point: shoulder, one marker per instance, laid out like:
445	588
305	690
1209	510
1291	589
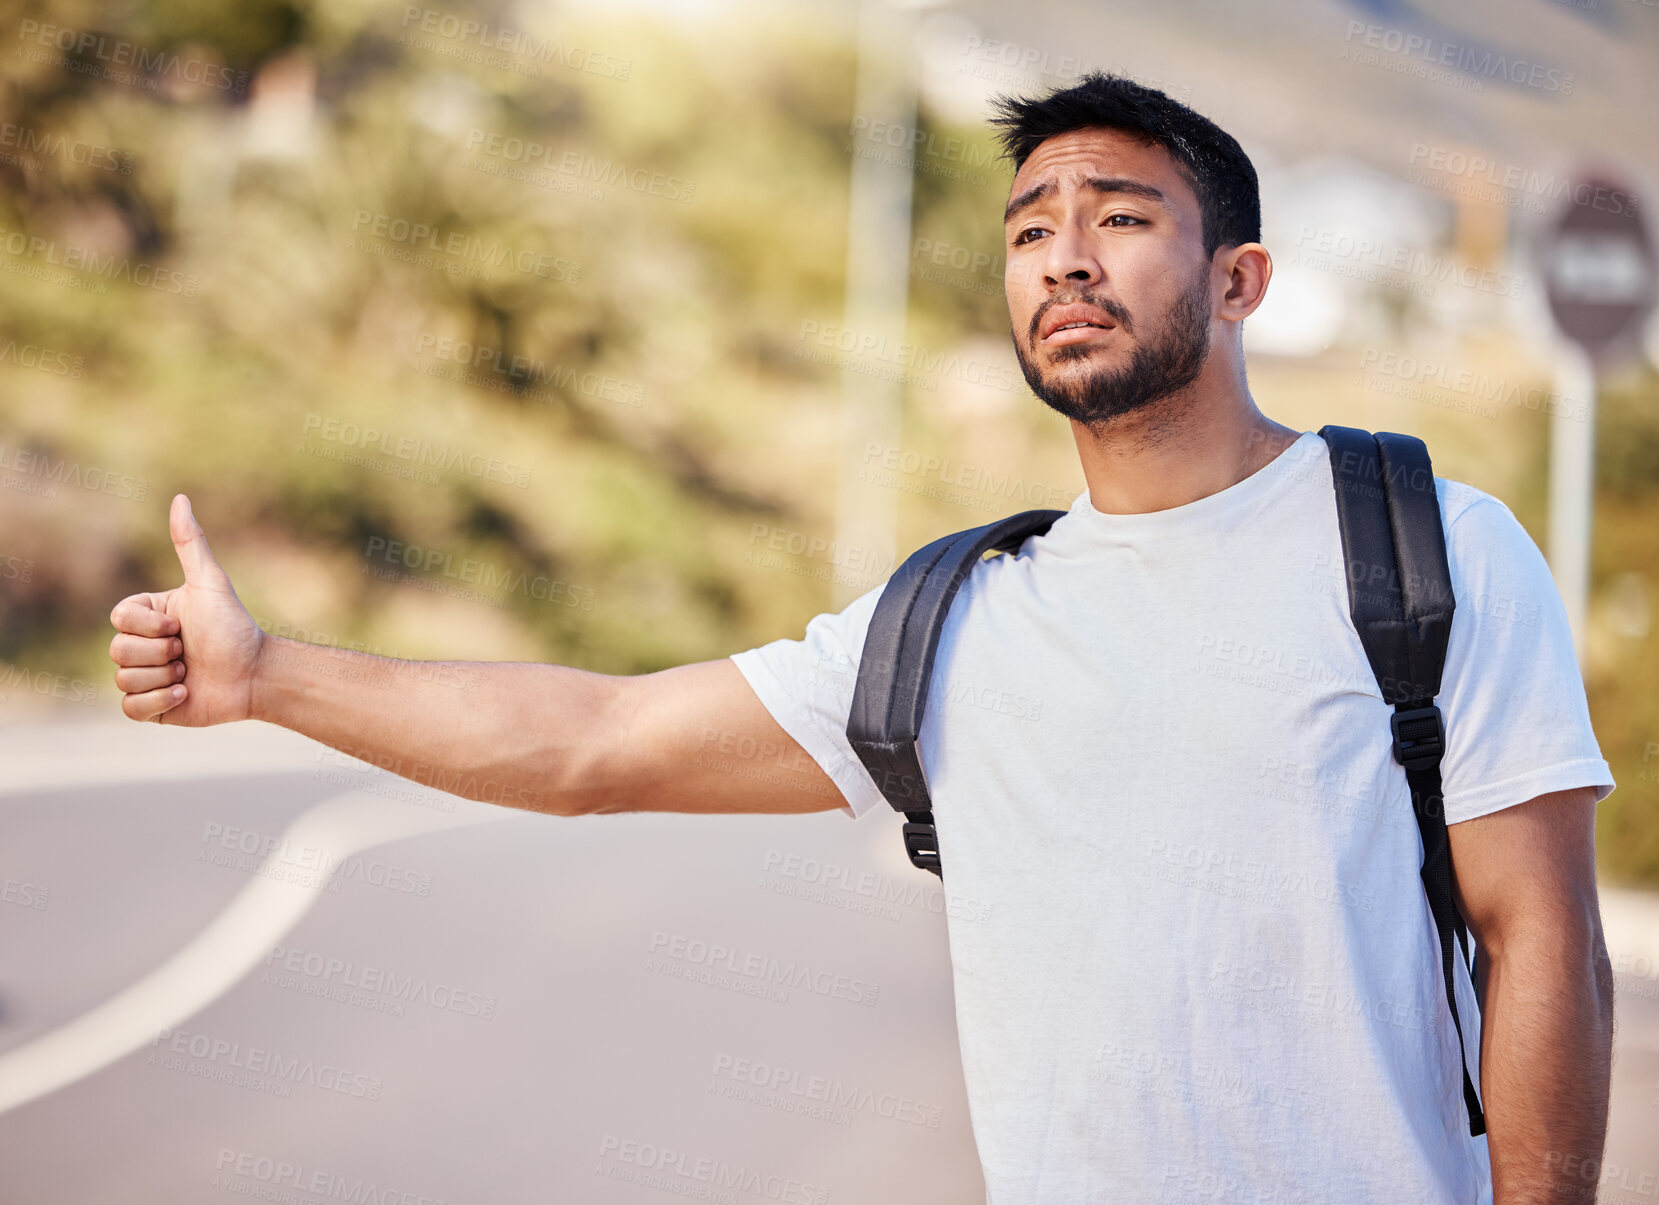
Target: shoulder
1037	555
1458	498
1478	524
1497	568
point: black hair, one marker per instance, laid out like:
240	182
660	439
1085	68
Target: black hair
1211	161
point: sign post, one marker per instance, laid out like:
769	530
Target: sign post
1599	279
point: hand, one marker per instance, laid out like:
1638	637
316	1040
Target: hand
187	655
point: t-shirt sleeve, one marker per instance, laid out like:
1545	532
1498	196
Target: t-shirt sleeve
1517	722
808	684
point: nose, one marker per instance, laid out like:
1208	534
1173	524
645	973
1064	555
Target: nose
1070	259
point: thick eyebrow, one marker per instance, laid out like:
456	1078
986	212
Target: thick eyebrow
1098	184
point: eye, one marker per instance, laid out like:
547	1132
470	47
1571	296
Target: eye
1126	217
1020	237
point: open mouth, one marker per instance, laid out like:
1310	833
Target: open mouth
1076	332
1074	322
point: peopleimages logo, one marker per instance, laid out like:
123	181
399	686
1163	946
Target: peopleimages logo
44	682
761	968
834	879
863	351
1411	370
281	857
415	449
25	895
28	142
713	1174
460	246
519	370
43	359
337	978
118	52
22	246
46	472
574	163
487	576
1513	177
1412	268
1482	63
256	1061
827	1090
470	33
277	1179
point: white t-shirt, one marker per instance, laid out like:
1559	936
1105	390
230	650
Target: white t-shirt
1193	958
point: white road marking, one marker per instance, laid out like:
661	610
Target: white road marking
231	945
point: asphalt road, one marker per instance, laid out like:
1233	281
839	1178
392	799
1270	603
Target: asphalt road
228	969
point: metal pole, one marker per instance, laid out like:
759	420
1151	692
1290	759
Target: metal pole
878	278
1572	482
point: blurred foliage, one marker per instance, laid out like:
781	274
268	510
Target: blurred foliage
227	394
1623	671
271	322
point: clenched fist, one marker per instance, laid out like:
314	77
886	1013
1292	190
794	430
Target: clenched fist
187	655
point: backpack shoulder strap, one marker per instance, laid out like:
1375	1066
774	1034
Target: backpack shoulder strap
1400	599
890	696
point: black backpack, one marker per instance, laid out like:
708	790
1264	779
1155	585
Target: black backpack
1399	595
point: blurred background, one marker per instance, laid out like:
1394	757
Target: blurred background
628	334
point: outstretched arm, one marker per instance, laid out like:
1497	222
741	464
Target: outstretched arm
544	738
1526	883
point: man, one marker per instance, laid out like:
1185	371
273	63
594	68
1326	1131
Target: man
1202	965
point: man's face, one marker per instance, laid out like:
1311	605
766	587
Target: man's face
1103	230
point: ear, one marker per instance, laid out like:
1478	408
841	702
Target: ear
1246	268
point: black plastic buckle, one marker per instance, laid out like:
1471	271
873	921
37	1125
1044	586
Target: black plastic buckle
921	842
1419	736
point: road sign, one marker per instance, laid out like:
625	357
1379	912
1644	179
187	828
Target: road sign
1600	279
1600	274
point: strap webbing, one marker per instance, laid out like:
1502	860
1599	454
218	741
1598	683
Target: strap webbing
1429	807
896	666
1400	598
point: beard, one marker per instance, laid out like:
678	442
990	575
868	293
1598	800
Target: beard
1158	368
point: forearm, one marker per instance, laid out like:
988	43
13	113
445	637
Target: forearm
1546	1065
517	734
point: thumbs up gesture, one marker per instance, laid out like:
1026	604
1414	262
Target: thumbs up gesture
186	655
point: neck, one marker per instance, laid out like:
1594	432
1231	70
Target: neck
1178	449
